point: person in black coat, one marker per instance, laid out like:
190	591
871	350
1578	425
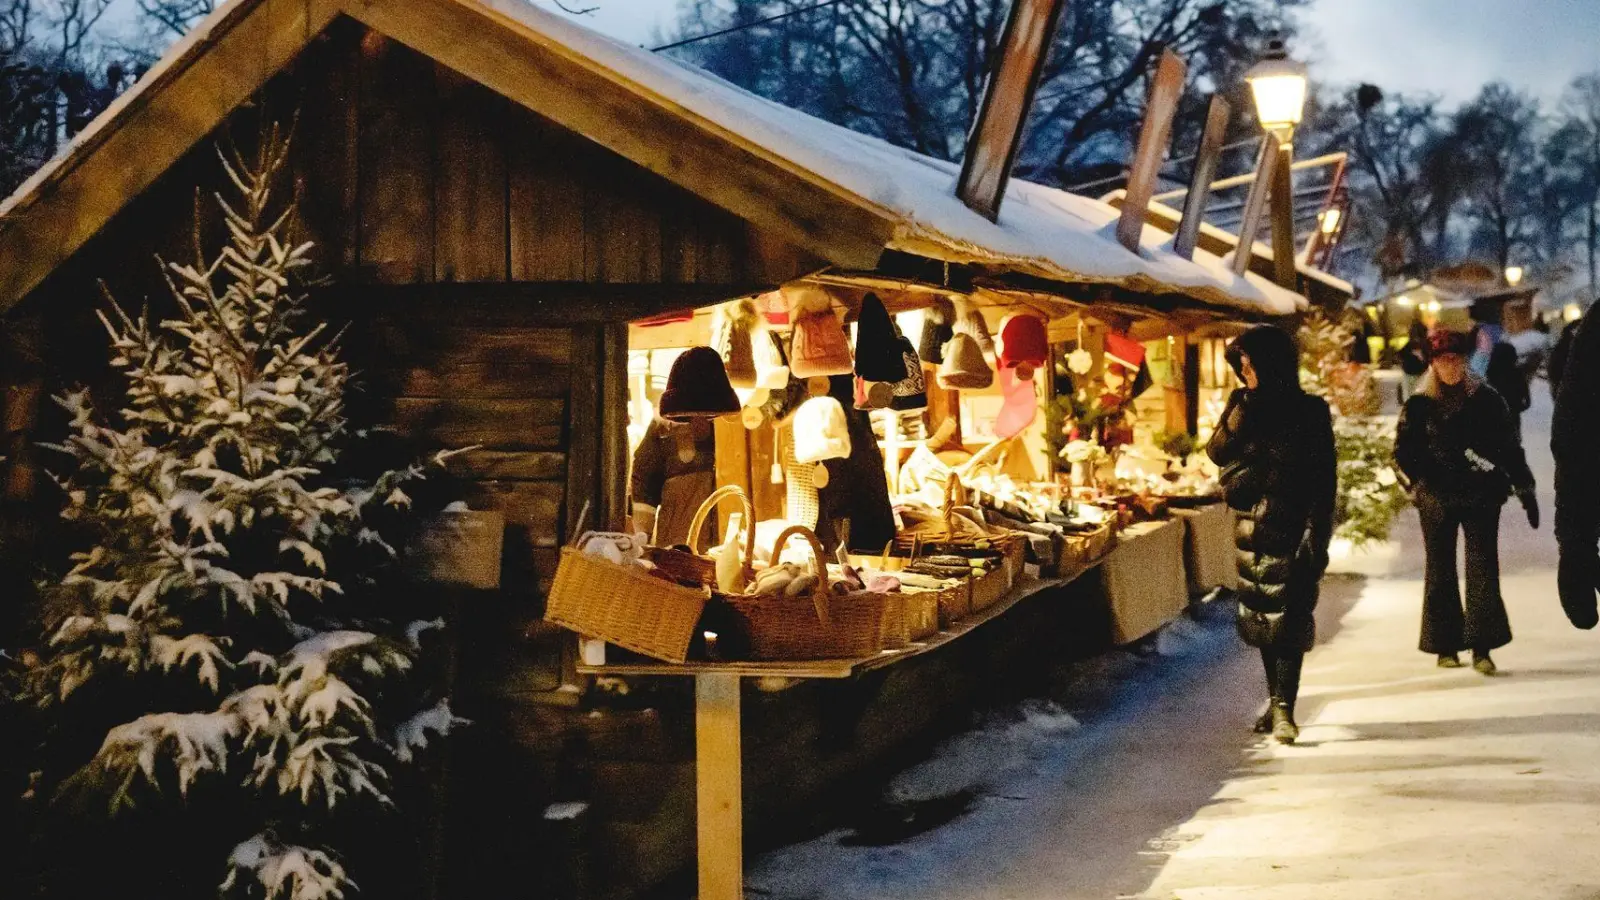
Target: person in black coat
1458	451
1274	445
1574	437
1506	377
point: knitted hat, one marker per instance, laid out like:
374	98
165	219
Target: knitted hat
877	351
1023	342
820	431
1442	341
911	391
1019	405
819	346
964	365
733	325
937	327
697	387
972	322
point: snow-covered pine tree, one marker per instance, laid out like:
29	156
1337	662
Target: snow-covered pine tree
237	656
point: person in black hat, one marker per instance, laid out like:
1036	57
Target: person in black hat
1458	452
1274	445
674	466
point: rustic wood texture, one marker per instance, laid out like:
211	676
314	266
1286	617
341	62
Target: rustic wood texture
470	223
547	206
398	126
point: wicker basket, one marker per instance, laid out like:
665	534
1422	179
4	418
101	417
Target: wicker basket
694	567
821	626
989	588
624	605
896	631
1082	551
921	614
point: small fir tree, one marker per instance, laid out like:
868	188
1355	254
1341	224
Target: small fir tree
236	651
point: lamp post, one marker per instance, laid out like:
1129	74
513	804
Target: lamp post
1278	86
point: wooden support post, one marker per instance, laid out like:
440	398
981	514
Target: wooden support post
719	785
1205	169
1191	385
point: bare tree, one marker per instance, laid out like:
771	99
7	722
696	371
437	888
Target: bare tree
1580	111
175	17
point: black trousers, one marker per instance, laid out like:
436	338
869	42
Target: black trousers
1483	625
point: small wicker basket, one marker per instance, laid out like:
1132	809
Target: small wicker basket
822	625
694	567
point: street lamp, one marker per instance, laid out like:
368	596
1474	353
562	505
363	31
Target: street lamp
1513	275
1330	220
1278	85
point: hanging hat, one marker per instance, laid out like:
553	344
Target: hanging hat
1124	351
1443	341
971	322
733	326
820	431
910	392
873	394
877	351
938	326
773	307
819	345
1023	342
1019	405
698	387
964	365
766	350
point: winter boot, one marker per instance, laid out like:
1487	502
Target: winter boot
1284	730
1449	661
1482	664
1264	724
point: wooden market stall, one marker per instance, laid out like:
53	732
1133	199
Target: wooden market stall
500	196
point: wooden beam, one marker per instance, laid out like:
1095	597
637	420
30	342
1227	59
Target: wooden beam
545	303
1154	135
719	779
1205	169
1003	110
151	128
504	54
1254	205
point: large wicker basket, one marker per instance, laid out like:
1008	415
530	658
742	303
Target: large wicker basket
822	625
694	566
624	605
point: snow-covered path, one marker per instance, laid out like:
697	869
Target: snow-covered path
1409	782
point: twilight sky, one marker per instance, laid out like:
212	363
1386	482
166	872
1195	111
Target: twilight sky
1445	47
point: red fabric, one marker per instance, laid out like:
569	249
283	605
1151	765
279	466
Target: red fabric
1023	340
1443	340
667	318
1124	351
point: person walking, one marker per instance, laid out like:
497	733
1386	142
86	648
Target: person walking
1413	359
1508	380
1574	435
1458	452
1274	446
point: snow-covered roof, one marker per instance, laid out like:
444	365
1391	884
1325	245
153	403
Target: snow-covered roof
1042	231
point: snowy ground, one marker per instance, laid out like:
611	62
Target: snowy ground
1410	782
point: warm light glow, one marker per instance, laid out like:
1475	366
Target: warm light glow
1513	275
1433	306
1572	313
1403	300
1330	220
1278	85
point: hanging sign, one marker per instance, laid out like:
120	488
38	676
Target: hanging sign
1152	150
1007	96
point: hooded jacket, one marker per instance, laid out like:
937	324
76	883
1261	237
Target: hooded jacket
1274	446
1463	457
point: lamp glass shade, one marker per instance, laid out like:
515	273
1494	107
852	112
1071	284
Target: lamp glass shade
1513	275
1279	89
1330	220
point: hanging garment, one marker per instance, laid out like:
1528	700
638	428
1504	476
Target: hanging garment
697	387
964	365
877	345
911	391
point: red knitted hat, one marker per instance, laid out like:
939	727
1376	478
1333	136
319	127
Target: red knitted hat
1442	341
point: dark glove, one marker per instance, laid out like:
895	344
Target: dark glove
1576	581
1530	505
